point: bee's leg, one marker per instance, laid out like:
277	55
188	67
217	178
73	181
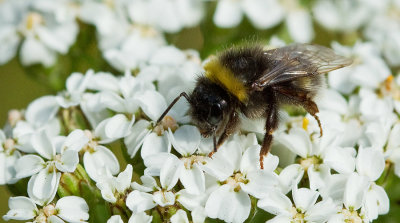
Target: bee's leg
303	100
230	128
312	108
270	126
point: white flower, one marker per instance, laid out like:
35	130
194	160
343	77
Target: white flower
153	104
337	114
371	163
384	30
169	16
239	176
69	209
115	219
382	107
76	85
140	217
263	14
180	217
342	15
266	14
96	157
353	197
43	184
304	207
48	29
318	156
113	188
185	140
368	69
8	158
149	195
134	49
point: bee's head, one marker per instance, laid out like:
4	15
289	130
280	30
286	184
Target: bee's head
208	107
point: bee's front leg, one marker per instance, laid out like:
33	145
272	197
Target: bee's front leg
230	128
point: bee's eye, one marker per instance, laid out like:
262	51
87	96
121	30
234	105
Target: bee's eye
215	114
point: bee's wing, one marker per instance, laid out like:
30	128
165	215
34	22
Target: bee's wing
299	60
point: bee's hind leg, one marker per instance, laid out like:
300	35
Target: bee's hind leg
312	108
270	126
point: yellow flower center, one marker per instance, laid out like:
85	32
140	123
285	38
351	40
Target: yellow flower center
33	20
351	216
307	162
298	215
189	161
235	181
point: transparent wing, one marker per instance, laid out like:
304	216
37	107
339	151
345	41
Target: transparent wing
299	60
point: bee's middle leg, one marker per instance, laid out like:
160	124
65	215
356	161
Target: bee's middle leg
270	126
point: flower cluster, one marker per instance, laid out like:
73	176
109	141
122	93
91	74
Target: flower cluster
66	151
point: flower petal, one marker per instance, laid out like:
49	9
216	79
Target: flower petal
226	204
263	14
259	183
354	193
69	161
115	219
124	178
76	140
170	172
304	198
180	217
275	203
43	187
152	103
318	176
321	212
341	159
72	209
42	144
376	202
193	179
140	217
154	144
29	165
227	14
164	198
136	137
185	139
21	208
299	23
297	141
370	162
139	201
290	176
101	158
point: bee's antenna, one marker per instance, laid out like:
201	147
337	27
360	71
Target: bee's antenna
171	105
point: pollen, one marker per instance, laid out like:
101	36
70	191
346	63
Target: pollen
388	82
221	75
305	123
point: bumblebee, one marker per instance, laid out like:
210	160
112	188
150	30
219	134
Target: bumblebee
256	82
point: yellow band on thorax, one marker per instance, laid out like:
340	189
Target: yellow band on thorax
219	74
